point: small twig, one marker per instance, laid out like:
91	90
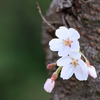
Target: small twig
37	5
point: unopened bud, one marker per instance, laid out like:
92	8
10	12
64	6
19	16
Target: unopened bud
92	72
49	85
49	66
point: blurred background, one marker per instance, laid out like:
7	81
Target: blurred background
22	59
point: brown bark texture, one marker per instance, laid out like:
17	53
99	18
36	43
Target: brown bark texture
84	16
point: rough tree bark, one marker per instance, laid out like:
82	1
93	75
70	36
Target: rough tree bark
84	16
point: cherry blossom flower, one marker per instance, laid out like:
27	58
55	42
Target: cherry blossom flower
91	70
67	40
49	85
72	64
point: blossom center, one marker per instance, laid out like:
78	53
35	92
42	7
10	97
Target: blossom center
67	42
74	62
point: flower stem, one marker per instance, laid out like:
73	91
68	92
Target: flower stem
55	74
58	70
83	55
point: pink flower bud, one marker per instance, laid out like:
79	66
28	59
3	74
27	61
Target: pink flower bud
49	85
49	66
92	72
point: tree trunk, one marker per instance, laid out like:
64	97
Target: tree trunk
84	16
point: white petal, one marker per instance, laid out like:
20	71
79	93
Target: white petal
74	54
64	51
64	61
62	32
92	72
75	45
55	44
67	71
81	72
73	34
54	41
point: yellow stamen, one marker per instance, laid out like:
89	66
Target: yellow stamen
74	62
67	42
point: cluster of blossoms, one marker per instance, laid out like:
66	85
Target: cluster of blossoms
70	63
